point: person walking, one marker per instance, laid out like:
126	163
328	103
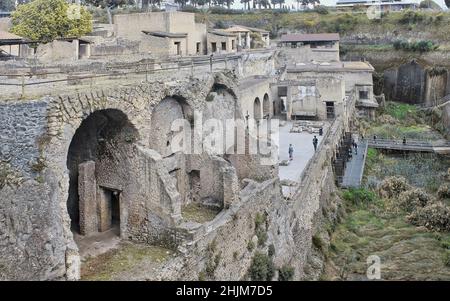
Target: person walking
315	142
404	140
291	152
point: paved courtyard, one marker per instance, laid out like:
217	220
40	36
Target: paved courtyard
303	151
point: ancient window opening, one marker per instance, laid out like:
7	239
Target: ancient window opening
363	94
330	109
213	47
266	106
257	109
178	47
224	46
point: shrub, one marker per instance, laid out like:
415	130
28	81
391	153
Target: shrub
411	17
359	196
322	10
286	273
411	199
419	46
189	9
444	191
260	220
261	233
318	242
220	25
391	187
250	245
434	216
261	267
447	258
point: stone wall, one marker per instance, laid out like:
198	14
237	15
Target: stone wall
23	128
290	225
58	51
145	179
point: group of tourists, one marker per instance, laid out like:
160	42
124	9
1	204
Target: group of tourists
315	143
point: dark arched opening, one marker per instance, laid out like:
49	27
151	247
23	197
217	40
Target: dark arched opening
97	161
257	109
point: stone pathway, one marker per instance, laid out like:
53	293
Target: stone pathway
303	151
355	167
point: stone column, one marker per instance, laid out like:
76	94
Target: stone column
87	191
247	40
230	187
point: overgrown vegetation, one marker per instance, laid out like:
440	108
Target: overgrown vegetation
198	213
261	229
398	120
117	264
261	267
419	46
286	273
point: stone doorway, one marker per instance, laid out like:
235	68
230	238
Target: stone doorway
109	210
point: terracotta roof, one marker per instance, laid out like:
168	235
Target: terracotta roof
4	35
315	37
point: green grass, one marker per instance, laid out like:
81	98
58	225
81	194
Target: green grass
400	110
198	213
406	252
360	196
128	256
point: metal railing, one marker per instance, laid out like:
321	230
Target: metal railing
31	78
408	142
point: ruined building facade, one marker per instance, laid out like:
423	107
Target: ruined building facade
84	162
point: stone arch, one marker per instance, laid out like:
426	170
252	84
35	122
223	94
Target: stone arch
163	115
266	106
98	155
257	110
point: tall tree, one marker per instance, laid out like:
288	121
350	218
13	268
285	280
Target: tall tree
182	2
229	3
246	2
50	21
